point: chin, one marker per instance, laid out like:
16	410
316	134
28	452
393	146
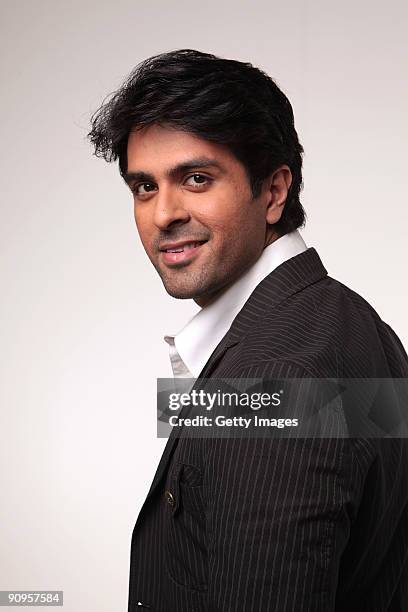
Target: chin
193	286
181	293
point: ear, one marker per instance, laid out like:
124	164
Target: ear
277	186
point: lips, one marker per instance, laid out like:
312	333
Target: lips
177	247
180	252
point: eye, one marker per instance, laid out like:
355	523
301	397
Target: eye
142	189
197	180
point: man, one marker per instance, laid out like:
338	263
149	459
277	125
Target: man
209	150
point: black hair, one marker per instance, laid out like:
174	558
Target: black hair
220	100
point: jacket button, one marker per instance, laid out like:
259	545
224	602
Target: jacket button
169	498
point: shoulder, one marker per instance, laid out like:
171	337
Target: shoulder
326	329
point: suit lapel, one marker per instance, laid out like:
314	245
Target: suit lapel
287	279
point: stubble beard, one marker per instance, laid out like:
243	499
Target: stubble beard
184	285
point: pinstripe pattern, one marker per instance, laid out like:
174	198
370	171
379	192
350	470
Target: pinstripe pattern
297	525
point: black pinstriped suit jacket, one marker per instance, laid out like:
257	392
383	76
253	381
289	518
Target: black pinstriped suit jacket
283	525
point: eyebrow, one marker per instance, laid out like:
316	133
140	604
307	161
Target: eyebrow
190	164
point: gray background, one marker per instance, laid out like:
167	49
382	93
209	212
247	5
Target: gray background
82	311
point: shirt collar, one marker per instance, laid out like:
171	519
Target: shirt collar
201	335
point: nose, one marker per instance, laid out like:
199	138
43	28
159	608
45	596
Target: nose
169	209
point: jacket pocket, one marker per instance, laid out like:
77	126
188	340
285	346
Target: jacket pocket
185	533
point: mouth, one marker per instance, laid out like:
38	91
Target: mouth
181	252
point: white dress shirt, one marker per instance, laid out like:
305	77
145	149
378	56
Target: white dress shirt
191	348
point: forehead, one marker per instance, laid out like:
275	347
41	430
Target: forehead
157	148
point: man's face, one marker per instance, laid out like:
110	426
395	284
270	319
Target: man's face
194	210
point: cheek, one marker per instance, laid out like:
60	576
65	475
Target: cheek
223	211
144	229
235	219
